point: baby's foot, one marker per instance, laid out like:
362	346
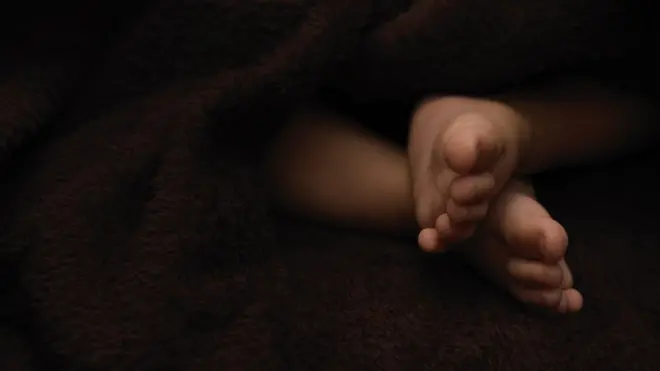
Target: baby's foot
462	151
522	249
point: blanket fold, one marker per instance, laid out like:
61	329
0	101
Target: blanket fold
136	232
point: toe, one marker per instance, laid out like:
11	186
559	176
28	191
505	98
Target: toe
466	214
550	288
534	274
571	301
566	275
549	298
472	189
470	144
453	232
429	240
554	241
558	300
427	206
527	227
538	238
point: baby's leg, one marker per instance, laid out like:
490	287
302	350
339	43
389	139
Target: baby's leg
326	166
574	123
463	150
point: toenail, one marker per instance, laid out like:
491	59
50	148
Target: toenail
546	251
543	246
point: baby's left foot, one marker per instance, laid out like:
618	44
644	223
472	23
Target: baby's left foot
521	247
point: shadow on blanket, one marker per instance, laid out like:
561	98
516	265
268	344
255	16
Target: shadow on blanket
136	234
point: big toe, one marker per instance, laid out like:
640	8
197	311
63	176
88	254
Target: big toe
540	238
528	229
471	144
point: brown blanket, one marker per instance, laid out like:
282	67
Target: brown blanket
136	233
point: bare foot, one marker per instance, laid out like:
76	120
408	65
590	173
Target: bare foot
462	151
522	249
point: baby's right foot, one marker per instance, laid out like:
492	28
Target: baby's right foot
522	249
462	151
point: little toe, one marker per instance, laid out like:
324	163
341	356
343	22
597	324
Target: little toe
571	301
429	240
533	274
472	189
470	144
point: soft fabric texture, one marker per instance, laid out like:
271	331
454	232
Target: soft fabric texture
136	232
